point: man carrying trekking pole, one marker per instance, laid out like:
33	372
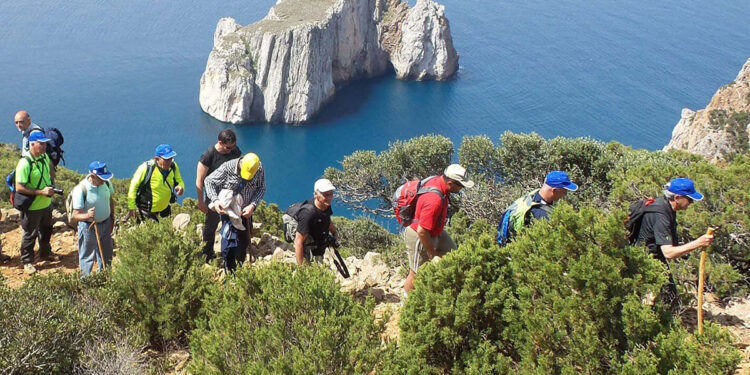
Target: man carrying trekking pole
658	228
93	205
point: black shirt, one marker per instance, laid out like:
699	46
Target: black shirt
659	229
213	159
315	223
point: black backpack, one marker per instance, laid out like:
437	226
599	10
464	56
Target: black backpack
54	146
290	220
635	218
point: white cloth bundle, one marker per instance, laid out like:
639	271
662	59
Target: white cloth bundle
232	205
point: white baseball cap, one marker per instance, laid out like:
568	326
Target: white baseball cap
324	185
458	173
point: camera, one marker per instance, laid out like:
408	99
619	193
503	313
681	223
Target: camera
58	190
332	241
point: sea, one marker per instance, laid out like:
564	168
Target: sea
120	77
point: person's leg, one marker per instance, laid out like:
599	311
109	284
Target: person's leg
209	234
29	224
86	253
243	241
445	244
45	233
416	255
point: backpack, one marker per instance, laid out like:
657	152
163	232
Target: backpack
635	217
404	199
142	200
290	220
69	201
54	146
514	217
19	201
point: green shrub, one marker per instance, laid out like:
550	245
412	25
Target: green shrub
362	235
160	280
269	215
46	323
278	319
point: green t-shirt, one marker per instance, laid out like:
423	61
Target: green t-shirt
35	175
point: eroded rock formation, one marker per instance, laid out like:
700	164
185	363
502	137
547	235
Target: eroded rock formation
720	129
285	67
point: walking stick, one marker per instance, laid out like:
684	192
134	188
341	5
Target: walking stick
98	242
701	277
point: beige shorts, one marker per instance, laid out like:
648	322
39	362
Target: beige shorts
416	252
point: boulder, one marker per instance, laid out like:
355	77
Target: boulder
180	221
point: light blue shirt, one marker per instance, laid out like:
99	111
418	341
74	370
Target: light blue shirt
96	196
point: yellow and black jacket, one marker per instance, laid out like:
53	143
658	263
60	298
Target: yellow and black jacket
149	190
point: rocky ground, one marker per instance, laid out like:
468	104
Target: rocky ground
368	276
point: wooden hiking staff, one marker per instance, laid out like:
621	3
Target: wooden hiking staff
99	243
701	277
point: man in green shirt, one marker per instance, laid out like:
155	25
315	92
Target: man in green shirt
34	178
153	185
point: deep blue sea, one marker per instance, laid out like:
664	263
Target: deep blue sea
120	77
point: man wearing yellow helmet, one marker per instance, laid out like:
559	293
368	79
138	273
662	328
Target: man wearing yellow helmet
245	178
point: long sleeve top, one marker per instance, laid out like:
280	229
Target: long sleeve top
158	190
227	177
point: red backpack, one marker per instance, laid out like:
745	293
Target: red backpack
404	199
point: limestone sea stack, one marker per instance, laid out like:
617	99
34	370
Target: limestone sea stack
723	127
285	67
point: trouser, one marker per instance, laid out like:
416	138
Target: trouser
88	248
36	224
143	215
308	250
209	234
234	248
416	252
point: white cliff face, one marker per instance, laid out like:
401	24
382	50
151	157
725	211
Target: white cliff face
720	129
426	50
285	67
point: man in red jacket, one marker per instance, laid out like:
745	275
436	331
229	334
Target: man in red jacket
425	238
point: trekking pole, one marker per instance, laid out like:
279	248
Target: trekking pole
701	277
98	242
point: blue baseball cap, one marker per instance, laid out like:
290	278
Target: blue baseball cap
99	168
560	179
38	136
165	151
684	187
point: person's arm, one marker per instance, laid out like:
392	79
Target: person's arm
299	247
259	185
200	175
180	186
78	206
332	230
212	183
134	183
426	240
671	252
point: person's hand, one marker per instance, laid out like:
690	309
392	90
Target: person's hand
219	209
48	191
248	211
179	190
91	213
202	206
705	240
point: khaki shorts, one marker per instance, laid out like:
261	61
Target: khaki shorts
416	252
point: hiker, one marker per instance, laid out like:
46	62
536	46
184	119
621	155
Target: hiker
93	203
151	193
245	178
25	126
33	183
424	237
314	226
658	229
534	205
224	150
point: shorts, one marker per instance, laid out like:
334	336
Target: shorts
417	254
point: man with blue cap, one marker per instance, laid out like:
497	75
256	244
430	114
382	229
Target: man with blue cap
658	229
155	185
92	202
534	205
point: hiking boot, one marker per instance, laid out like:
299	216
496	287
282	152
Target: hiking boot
4	258
29	269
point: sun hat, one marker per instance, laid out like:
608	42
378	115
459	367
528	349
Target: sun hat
684	187
249	165
560	179
324	185
99	169
458	173
165	151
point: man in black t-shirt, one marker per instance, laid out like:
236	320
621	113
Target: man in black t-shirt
659	229
224	150
314	224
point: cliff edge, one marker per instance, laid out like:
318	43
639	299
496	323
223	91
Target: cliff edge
285	67
721	129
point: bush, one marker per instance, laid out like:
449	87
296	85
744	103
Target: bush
278	319
159	280
269	215
46	324
362	235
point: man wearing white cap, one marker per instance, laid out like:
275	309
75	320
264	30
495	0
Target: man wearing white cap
424	237
93	202
314	224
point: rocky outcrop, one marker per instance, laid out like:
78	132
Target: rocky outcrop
285	67
720	129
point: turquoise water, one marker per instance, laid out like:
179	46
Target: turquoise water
120	77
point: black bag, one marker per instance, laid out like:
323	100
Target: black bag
54	146
635	218
20	201
290	220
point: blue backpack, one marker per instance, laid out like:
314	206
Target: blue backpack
54	146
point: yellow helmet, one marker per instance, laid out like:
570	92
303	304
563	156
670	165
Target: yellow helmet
249	165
